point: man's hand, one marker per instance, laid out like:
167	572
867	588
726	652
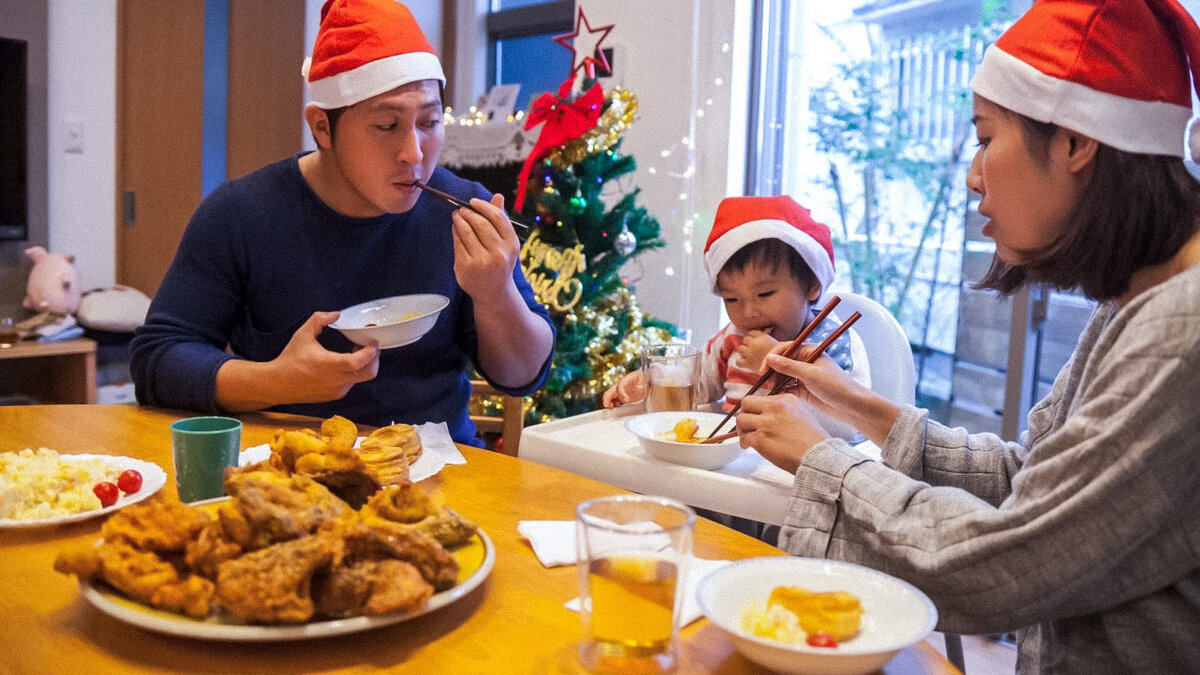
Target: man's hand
485	249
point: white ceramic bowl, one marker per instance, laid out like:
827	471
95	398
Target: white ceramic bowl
649	427
895	614
392	322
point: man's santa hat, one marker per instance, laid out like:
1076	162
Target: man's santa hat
1120	71
743	220
364	48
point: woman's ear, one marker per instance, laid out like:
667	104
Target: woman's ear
318	124
1079	150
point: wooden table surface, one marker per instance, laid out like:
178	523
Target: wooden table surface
515	622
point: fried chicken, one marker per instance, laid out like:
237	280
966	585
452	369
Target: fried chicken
211	547
409	505
278	507
371	587
382	539
159	524
142	575
274	584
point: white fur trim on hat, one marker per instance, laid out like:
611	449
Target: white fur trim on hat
373	78
1132	125
721	250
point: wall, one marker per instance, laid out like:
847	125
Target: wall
27	21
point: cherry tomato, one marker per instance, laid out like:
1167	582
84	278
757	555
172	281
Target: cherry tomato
107	493
821	640
129	481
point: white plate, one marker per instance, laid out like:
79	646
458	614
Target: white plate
116	605
153	478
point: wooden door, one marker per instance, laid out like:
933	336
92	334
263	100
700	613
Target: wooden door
160	97
160	67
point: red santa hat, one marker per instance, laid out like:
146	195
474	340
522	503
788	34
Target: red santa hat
743	220
1120	71
364	48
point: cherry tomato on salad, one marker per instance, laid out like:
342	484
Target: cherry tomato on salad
107	493
821	640
129	481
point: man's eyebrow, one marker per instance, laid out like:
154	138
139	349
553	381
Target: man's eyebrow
403	107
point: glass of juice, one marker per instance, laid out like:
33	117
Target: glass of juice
633	553
671	371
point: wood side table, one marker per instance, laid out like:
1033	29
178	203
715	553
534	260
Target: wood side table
50	372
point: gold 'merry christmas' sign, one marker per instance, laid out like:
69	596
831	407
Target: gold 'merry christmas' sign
551	272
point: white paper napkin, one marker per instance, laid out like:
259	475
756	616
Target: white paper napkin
697	569
437	450
553	541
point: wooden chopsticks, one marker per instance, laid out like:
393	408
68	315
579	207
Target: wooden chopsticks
785	382
790	353
446	196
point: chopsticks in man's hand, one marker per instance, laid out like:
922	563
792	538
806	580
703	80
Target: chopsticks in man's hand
788	382
790	353
460	203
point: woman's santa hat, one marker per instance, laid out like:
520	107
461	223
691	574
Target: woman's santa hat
744	220
364	48
1120	71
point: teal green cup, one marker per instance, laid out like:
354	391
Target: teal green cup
202	448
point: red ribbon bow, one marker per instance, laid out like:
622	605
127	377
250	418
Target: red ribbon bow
564	120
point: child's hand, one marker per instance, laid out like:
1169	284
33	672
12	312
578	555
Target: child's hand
755	346
631	388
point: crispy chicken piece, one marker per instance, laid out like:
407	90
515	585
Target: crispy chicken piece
409	505
160	524
278	507
371	587
450	529
274	584
141	575
382	539
211	547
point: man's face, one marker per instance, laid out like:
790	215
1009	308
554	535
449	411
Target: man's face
383	144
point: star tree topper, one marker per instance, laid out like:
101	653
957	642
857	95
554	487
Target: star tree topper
585	45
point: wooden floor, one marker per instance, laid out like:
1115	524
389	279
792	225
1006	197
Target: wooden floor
981	655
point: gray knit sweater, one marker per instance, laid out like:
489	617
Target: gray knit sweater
1085	536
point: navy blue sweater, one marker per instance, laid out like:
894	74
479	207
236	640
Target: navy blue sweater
263	252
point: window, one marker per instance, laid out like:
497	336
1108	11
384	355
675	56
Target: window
520	47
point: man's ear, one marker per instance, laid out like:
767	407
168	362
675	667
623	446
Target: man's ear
318	124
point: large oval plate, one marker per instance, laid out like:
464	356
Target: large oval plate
475	560
153	478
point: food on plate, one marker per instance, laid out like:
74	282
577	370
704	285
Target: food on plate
130	481
106	492
39	484
284	548
796	615
389	451
387	322
685	430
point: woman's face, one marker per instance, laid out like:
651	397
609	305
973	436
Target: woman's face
383	144
759	298
1025	200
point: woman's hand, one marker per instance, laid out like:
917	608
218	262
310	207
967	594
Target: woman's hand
631	388
781	428
485	249
755	346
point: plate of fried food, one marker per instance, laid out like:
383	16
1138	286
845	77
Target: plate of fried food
42	487
284	557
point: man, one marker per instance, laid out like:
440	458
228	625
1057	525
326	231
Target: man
240	320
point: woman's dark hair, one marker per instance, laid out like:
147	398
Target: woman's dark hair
1138	210
773	254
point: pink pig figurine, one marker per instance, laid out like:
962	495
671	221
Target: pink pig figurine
53	284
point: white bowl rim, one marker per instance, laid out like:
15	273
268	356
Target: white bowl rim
634	419
931	613
370	303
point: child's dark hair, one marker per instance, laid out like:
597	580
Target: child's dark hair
773	254
1138	210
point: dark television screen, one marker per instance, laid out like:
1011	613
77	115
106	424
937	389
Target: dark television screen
14	183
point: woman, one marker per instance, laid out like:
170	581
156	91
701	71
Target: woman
1084	535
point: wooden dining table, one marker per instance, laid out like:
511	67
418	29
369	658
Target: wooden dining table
514	622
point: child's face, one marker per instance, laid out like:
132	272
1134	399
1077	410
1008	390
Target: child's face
760	298
1026	202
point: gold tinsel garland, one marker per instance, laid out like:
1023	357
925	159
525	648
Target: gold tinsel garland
613	123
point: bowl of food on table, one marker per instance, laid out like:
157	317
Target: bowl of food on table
678	437
391	322
806	615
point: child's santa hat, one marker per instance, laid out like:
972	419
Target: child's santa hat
364	48
743	220
1120	71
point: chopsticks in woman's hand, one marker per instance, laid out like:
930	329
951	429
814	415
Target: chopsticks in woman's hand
788	382
790	353
460	203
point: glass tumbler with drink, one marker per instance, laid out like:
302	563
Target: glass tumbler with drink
632	550
670	371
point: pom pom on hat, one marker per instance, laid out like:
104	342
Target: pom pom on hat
743	220
364	48
1120	72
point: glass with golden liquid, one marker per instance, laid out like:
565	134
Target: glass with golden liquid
633	551
671	372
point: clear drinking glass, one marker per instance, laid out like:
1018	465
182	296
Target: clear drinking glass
671	371
633	551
